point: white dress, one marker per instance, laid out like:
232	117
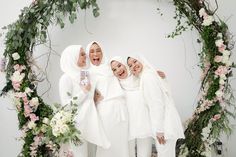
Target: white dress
88	121
112	109
113	112
164	116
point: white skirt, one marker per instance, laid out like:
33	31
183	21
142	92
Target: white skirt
114	118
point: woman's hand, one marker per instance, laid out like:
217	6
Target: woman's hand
97	97
161	138
86	88
161	74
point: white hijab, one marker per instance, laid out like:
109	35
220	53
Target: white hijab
147	67
112	87
103	69
68	62
130	82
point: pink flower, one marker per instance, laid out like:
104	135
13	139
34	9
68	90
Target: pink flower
218	59
27	110
216	117
221	48
16	85
222	70
33	117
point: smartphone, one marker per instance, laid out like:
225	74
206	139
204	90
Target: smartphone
84	77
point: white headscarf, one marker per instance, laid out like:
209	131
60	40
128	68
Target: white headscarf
103	69
148	67
112	87
69	59
129	83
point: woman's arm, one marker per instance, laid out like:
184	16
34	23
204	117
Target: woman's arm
153	97
65	87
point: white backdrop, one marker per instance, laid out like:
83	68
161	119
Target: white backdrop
124	26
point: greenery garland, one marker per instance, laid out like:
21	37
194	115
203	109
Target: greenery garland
42	135
37	119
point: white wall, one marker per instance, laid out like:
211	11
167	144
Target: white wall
124	26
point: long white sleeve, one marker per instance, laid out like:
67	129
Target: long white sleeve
153	97
65	87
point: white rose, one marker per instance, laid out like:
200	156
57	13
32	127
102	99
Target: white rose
228	63
208	21
226	52
225	59
222	81
34	102
64	129
15	56
202	12
219	93
31	125
45	120
55	132
17	76
219	42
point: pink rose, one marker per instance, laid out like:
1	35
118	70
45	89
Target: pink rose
27	110
221	48
33	117
218	59
222	70
216	117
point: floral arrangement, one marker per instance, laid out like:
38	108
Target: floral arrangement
43	129
215	106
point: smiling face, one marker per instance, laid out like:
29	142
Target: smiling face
135	66
119	70
95	54
82	58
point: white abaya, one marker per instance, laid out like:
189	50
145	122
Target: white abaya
88	121
112	110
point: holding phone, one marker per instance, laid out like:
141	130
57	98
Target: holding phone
84	77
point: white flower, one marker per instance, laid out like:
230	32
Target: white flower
15	56
228	63
222	81
225	59
34	102
226	52
28	90
64	129
31	125
219	93
219	35
45	120
17	76
202	12
208	20
219	42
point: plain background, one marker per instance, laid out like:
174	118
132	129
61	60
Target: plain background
124	26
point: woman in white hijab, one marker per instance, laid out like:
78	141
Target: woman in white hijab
165	120
75	81
140	133
112	108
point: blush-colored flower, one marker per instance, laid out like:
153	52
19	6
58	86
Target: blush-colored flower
218	59
222	70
